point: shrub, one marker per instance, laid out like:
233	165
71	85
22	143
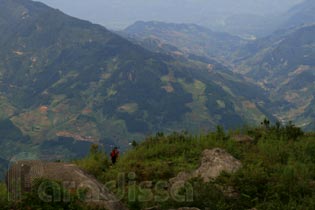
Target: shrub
96	163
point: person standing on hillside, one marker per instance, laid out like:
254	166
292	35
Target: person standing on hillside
114	155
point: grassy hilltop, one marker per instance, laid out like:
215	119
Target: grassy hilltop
277	169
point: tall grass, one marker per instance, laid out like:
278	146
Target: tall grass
277	173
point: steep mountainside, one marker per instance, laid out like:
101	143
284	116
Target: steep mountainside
65	78
189	38
284	64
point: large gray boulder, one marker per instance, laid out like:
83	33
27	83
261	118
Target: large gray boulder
21	176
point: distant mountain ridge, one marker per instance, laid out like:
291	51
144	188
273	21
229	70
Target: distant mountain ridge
282	63
300	14
189	38
259	26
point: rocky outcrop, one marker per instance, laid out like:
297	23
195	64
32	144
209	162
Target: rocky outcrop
213	163
181	177
21	176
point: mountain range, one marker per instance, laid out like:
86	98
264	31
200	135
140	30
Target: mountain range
117	14
65	82
281	63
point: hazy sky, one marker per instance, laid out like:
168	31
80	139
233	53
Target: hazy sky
116	14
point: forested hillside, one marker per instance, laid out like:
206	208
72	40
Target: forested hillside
71	81
284	65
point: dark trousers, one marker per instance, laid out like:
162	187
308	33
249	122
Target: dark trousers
114	159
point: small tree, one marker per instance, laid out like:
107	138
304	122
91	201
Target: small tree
266	123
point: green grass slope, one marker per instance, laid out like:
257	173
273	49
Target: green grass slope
277	171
